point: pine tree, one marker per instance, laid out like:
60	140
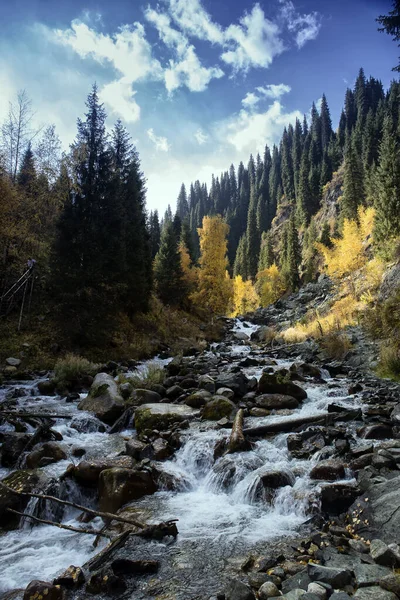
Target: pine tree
292	255
387	203
155	233
267	256
187	240
252	235
304	203
168	274
240	266
182	206
326	124
353	184
287	165
390	24
325	238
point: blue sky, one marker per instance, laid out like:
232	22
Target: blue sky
199	83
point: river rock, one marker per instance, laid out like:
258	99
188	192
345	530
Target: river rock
206	382
22	481
336	498
47	387
161	449
198	399
336	577
273	480
162	416
104	399
174	392
276	401
379	507
13	362
237	590
143	396
391	583
13	445
227	392
118	486
373	593
48	453
134	448
42	589
217	408
395	414
268	590
382	554
237	382
270	384
328	470
72	578
377	432
87	472
317	589
367	575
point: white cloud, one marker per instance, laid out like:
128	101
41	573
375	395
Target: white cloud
128	50
255	42
274	91
250	100
118	96
191	16
160	143
168	35
249	131
201	137
304	26
190	72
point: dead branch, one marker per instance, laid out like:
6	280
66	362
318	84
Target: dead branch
59	525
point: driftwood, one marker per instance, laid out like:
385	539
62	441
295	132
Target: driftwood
294	425
59	525
25	415
237	441
96	513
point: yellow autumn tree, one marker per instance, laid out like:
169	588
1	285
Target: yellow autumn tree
348	252
270	285
214	288
190	274
245	297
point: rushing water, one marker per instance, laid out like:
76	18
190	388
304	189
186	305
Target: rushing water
217	500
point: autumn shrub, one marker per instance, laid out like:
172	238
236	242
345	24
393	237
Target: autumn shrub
245	297
72	368
389	361
335	345
270	285
152	374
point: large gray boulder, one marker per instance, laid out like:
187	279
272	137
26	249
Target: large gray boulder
23	481
378	506
118	486
272	384
276	401
162	416
104	399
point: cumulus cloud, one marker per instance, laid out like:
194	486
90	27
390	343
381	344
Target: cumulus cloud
201	137
253	43
274	91
250	100
160	143
191	16
119	97
190	72
305	27
249	131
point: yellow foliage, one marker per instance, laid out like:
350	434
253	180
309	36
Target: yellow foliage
245	297
348	253
214	288
190	274
270	285
343	312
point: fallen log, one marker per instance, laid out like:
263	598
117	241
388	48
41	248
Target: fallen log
22	415
294	425
59	525
237	441
96	513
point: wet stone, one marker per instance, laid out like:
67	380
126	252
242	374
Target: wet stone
44	589
237	590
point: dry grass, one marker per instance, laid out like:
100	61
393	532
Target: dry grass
389	361
145	380
72	368
336	345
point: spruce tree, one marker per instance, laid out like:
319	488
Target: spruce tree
155	233
182	206
304	202
292	255
168	273
326	124
252	235
387	203
267	256
353	184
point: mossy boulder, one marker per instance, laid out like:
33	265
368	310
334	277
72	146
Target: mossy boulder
87	472
104	399
120	486
143	396
272	383
47	453
162	416
198	399
218	408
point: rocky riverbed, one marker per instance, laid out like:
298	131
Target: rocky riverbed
250	472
